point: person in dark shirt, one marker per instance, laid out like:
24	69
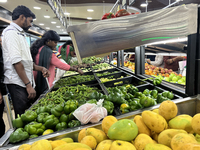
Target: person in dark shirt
2	92
171	62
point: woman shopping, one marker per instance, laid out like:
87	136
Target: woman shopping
42	53
67	51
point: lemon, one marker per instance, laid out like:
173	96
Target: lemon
47	131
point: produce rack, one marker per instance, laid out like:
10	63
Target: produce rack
189	105
131	79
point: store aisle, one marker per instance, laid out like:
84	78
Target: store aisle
5	118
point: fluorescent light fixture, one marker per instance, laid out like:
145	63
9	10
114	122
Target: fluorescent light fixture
89	18
144	5
169	41
64	32
53	22
66	13
36	7
57	26
46	16
41	24
3	1
47	28
90	10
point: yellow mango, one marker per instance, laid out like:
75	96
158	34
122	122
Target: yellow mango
89	141
72	146
107	122
154	121
104	145
24	147
154	135
151	146
196	123
122	145
99	135
57	143
190	146
168	109
156	111
180	139
81	134
142	128
181	122
41	145
68	140
141	141
166	136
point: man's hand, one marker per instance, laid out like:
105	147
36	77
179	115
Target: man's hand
31	91
1	98
45	72
80	72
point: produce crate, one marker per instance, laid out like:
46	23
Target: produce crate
127	80
189	105
108	70
141	88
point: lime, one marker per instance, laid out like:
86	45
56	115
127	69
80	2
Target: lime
47	131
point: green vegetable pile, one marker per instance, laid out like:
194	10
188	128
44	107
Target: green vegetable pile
68	73
105	73
102	66
73	80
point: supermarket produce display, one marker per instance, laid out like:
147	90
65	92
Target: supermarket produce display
146	129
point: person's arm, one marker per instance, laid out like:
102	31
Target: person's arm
171	60
72	54
22	74
64	66
158	61
45	72
168	60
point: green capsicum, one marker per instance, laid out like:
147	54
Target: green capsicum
165	93
146	92
42	116
109	106
96	95
134	105
71	116
70	106
49	107
92	101
157	81
64	118
161	98
41	109
74	123
124	108
170	95
117	98
154	93
57	110
131	89
50	121
35	128
33	136
61	126
19	135
146	102
18	123
29	116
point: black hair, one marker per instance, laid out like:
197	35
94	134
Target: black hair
67	43
49	35
22	10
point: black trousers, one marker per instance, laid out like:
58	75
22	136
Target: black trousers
19	98
2	124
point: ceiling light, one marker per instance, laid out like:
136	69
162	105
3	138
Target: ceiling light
47	28
57	26
36	7
90	10
66	13
89	18
143	5
64	32
41	24
3	1
53	22
46	16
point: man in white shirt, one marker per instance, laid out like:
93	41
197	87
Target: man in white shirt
18	63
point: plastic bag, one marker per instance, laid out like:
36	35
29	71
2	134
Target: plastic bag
60	72
90	112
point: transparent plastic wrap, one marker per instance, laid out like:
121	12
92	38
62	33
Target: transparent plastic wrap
90	112
115	34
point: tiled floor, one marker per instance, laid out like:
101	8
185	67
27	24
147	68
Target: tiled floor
5	118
